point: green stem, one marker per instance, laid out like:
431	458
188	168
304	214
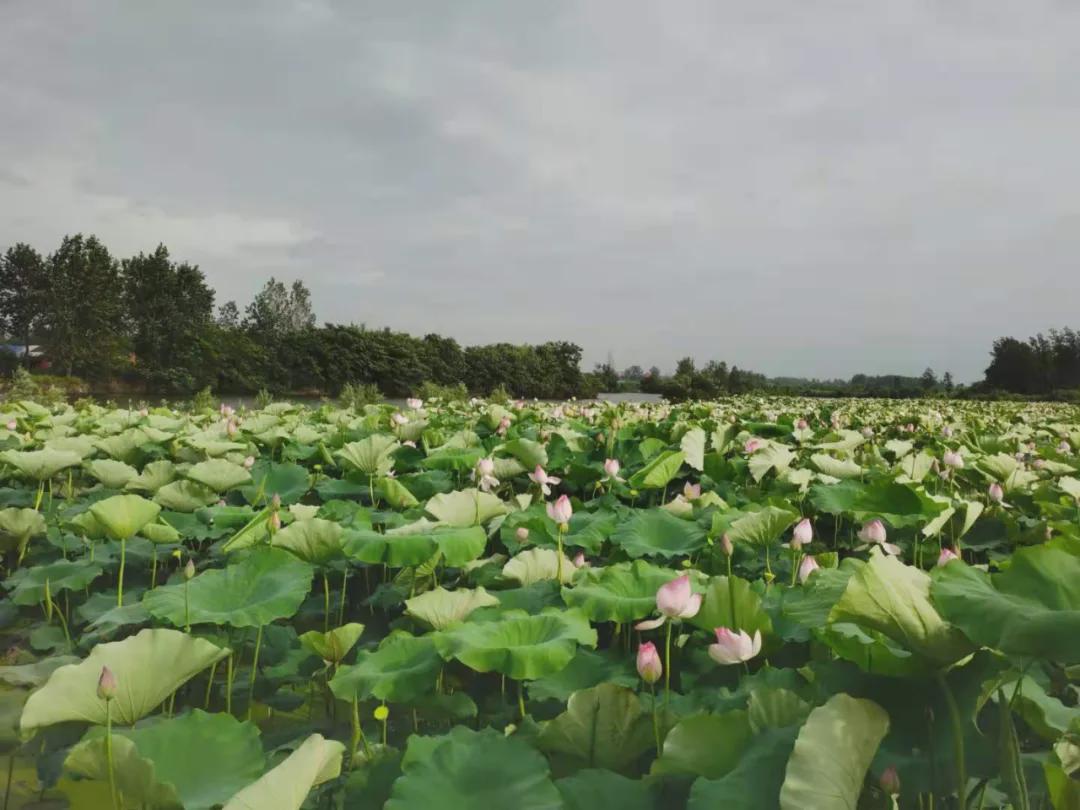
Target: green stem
521	699
958	740
153	569
187	608
357	732
109	756
341	609
228	683
655	722
254	671
209	686
667	662
326	601
120	581
558	562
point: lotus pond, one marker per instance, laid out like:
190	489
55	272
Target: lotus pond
750	603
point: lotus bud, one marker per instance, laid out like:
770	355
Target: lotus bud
485	466
522	534
808	566
868	432
996	493
398	419
953	459
221	502
611	468
504	425
1038	464
734	648
676	600
649	666
947	555
189	569
1064	447
106	685
873	532
579	560
691	491
12	425
910	427
946	432
561	511
275	521
231	428
801	425
414	404
275	502
889	781
249	462
726	545
803	533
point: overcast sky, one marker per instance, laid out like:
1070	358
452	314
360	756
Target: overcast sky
798	187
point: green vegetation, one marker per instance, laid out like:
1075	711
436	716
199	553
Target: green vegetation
759	602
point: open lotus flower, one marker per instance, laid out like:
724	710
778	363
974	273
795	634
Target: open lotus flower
752	446
538	476
873	534
561	510
953	459
691	491
808	566
734	648
674	600
611	469
803	534
414	404
398	419
996	493
106	685
649	666
484	474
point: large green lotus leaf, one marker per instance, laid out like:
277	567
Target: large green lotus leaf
451	459
592	788
846	441
371	455
658	472
894	599
692	445
218	474
154	476
755	782
1008	471
622	592
397	494
316	541
763	527
731	602
872	651
111	473
34	674
440	608
160	533
528	452
832	754
396	551
185	496
773	457
1070	486
123	446
29	584
807	608
290	482
40	465
400	671
602	727
519	645
656	532
469	507
467	769
774	707
538	564
267	584
708	745
333	645
287	786
460	546
136	782
17	525
837	468
1032	609
123	516
83	445
197	760
914	468
255	530
898	504
148	666
586	669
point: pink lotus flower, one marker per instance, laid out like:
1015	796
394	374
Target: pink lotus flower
808	566
484	474
12	425
946	432
873	533
868	432
674	600
996	493
579	561
752	446
947	555
504	425
561	510
249	462
143	412
106	685
414	404
231	428
691	491
910	428
226	410
545	481
803	534
953	459
649	666
611	469
801	425
889	781
1064	448
522	534
398	419
734	648
1038	464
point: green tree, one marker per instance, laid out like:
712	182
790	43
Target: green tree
83	307
167	307
22	287
280	310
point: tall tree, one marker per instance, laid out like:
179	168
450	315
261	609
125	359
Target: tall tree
167	308
83	306
280	310
228	316
22	287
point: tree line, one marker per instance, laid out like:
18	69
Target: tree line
1043	365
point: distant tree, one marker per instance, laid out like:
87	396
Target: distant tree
280	310
947	382
1014	367
228	316
928	380
22	287
83	307
634	372
606	376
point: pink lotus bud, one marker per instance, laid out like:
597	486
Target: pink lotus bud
996	493
801	425
485	466
910	428
946	556
953	459
12	424
106	685
504	425
398	419
189	569
414	403
752	446
226	410
522	534
889	781
808	566
1064	447
649	666
676	600
1038	464
873	532
231	428
611	468
734	648
803	533
561	511
868	432
691	491
249	462
221	502
726	545
579	560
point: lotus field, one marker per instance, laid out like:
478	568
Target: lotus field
751	603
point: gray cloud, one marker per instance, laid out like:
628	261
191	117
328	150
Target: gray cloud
800	188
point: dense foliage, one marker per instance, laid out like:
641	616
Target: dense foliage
747	603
